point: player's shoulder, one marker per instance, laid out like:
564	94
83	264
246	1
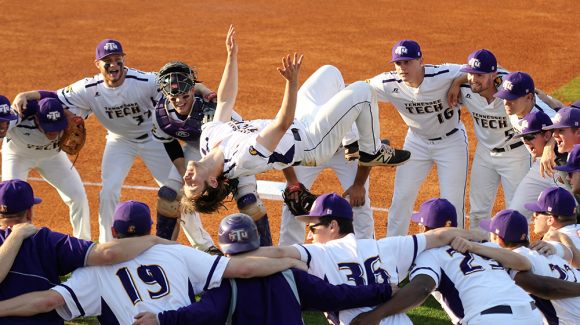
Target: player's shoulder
140	76
434	70
390	77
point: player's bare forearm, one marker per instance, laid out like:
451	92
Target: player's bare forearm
21	100
290	175
228	89
11	246
179	163
410	296
506	257
444	236
273	252
257	266
357	191
454	90
547	287
547	162
573	256
122	250
31	304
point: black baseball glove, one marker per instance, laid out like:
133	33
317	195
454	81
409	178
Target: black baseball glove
298	199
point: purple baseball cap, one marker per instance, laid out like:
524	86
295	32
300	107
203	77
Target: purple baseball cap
565	118
481	61
406	50
108	47
576	104
132	217
508	224
329	205
16	196
436	213
6	113
573	163
534	122
554	200
516	85
50	115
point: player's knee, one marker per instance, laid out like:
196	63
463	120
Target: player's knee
168	202
249	202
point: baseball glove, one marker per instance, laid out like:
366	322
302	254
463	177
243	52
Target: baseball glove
298	199
74	136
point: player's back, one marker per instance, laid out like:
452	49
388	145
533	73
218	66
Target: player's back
567	311
467	284
163	277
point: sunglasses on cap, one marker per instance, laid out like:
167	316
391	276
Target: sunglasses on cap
313	229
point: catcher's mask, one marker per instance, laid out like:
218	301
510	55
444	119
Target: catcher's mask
238	233
176	78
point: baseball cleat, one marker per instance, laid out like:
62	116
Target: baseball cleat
214	251
351	150
386	156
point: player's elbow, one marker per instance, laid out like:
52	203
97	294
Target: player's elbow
47	302
246	270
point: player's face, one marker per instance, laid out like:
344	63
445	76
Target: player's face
574	179
480	82
3	128
111	66
410	71
566	138
182	103
535	142
318	233
518	107
50	135
541	226
196	179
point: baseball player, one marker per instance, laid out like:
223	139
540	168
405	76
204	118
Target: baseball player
336	255
123	101
436	133
6	116
555	209
517	92
161	278
286	293
32	143
509	229
232	150
461	282
179	115
572	168
40	260
499	158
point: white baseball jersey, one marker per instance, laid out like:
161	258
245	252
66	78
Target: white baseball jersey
126	111
25	139
572	232
558	311
163	277
467	284
491	123
363	261
424	109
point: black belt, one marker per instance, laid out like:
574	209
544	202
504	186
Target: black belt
446	135
144	136
502	309
512	146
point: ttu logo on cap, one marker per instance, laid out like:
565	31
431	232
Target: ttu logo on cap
401	50
3	208
558	117
110	47
508	85
525	124
4	109
131	229
238	235
474	63
53	116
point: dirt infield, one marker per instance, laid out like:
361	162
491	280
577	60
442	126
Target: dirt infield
50	44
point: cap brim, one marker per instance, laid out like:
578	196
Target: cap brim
54	127
416	217
505	95
485	225
37	200
475	71
403	59
568	169
527	132
10	117
533	207
305	218
104	56
557	126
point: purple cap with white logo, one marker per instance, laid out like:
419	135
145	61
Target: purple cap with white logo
16	196
565	118
516	85
534	122
50	115
108	47
328	205
6	113
576	104
436	213
481	61
573	163
508	224
554	200
406	50
132	217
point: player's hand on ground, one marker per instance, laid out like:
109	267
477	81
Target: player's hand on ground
356	195
19	104
146	318
462	245
366	318
548	162
291	67
231	45
544	248
24	230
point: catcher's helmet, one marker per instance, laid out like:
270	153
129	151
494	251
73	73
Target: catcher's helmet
176	78
238	233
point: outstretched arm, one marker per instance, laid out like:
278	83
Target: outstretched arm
122	250
254	266
273	133
547	287
273	252
443	236
228	89
31	303
454	90
555	235
506	257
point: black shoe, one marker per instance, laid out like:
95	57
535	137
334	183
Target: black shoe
386	156
214	251
351	151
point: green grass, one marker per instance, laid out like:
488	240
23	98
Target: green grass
570	92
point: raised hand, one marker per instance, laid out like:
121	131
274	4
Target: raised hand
231	45
291	68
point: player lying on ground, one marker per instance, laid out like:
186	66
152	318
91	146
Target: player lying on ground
163	277
276	299
232	150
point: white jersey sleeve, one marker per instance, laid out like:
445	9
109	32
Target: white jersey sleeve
401	251
572	232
